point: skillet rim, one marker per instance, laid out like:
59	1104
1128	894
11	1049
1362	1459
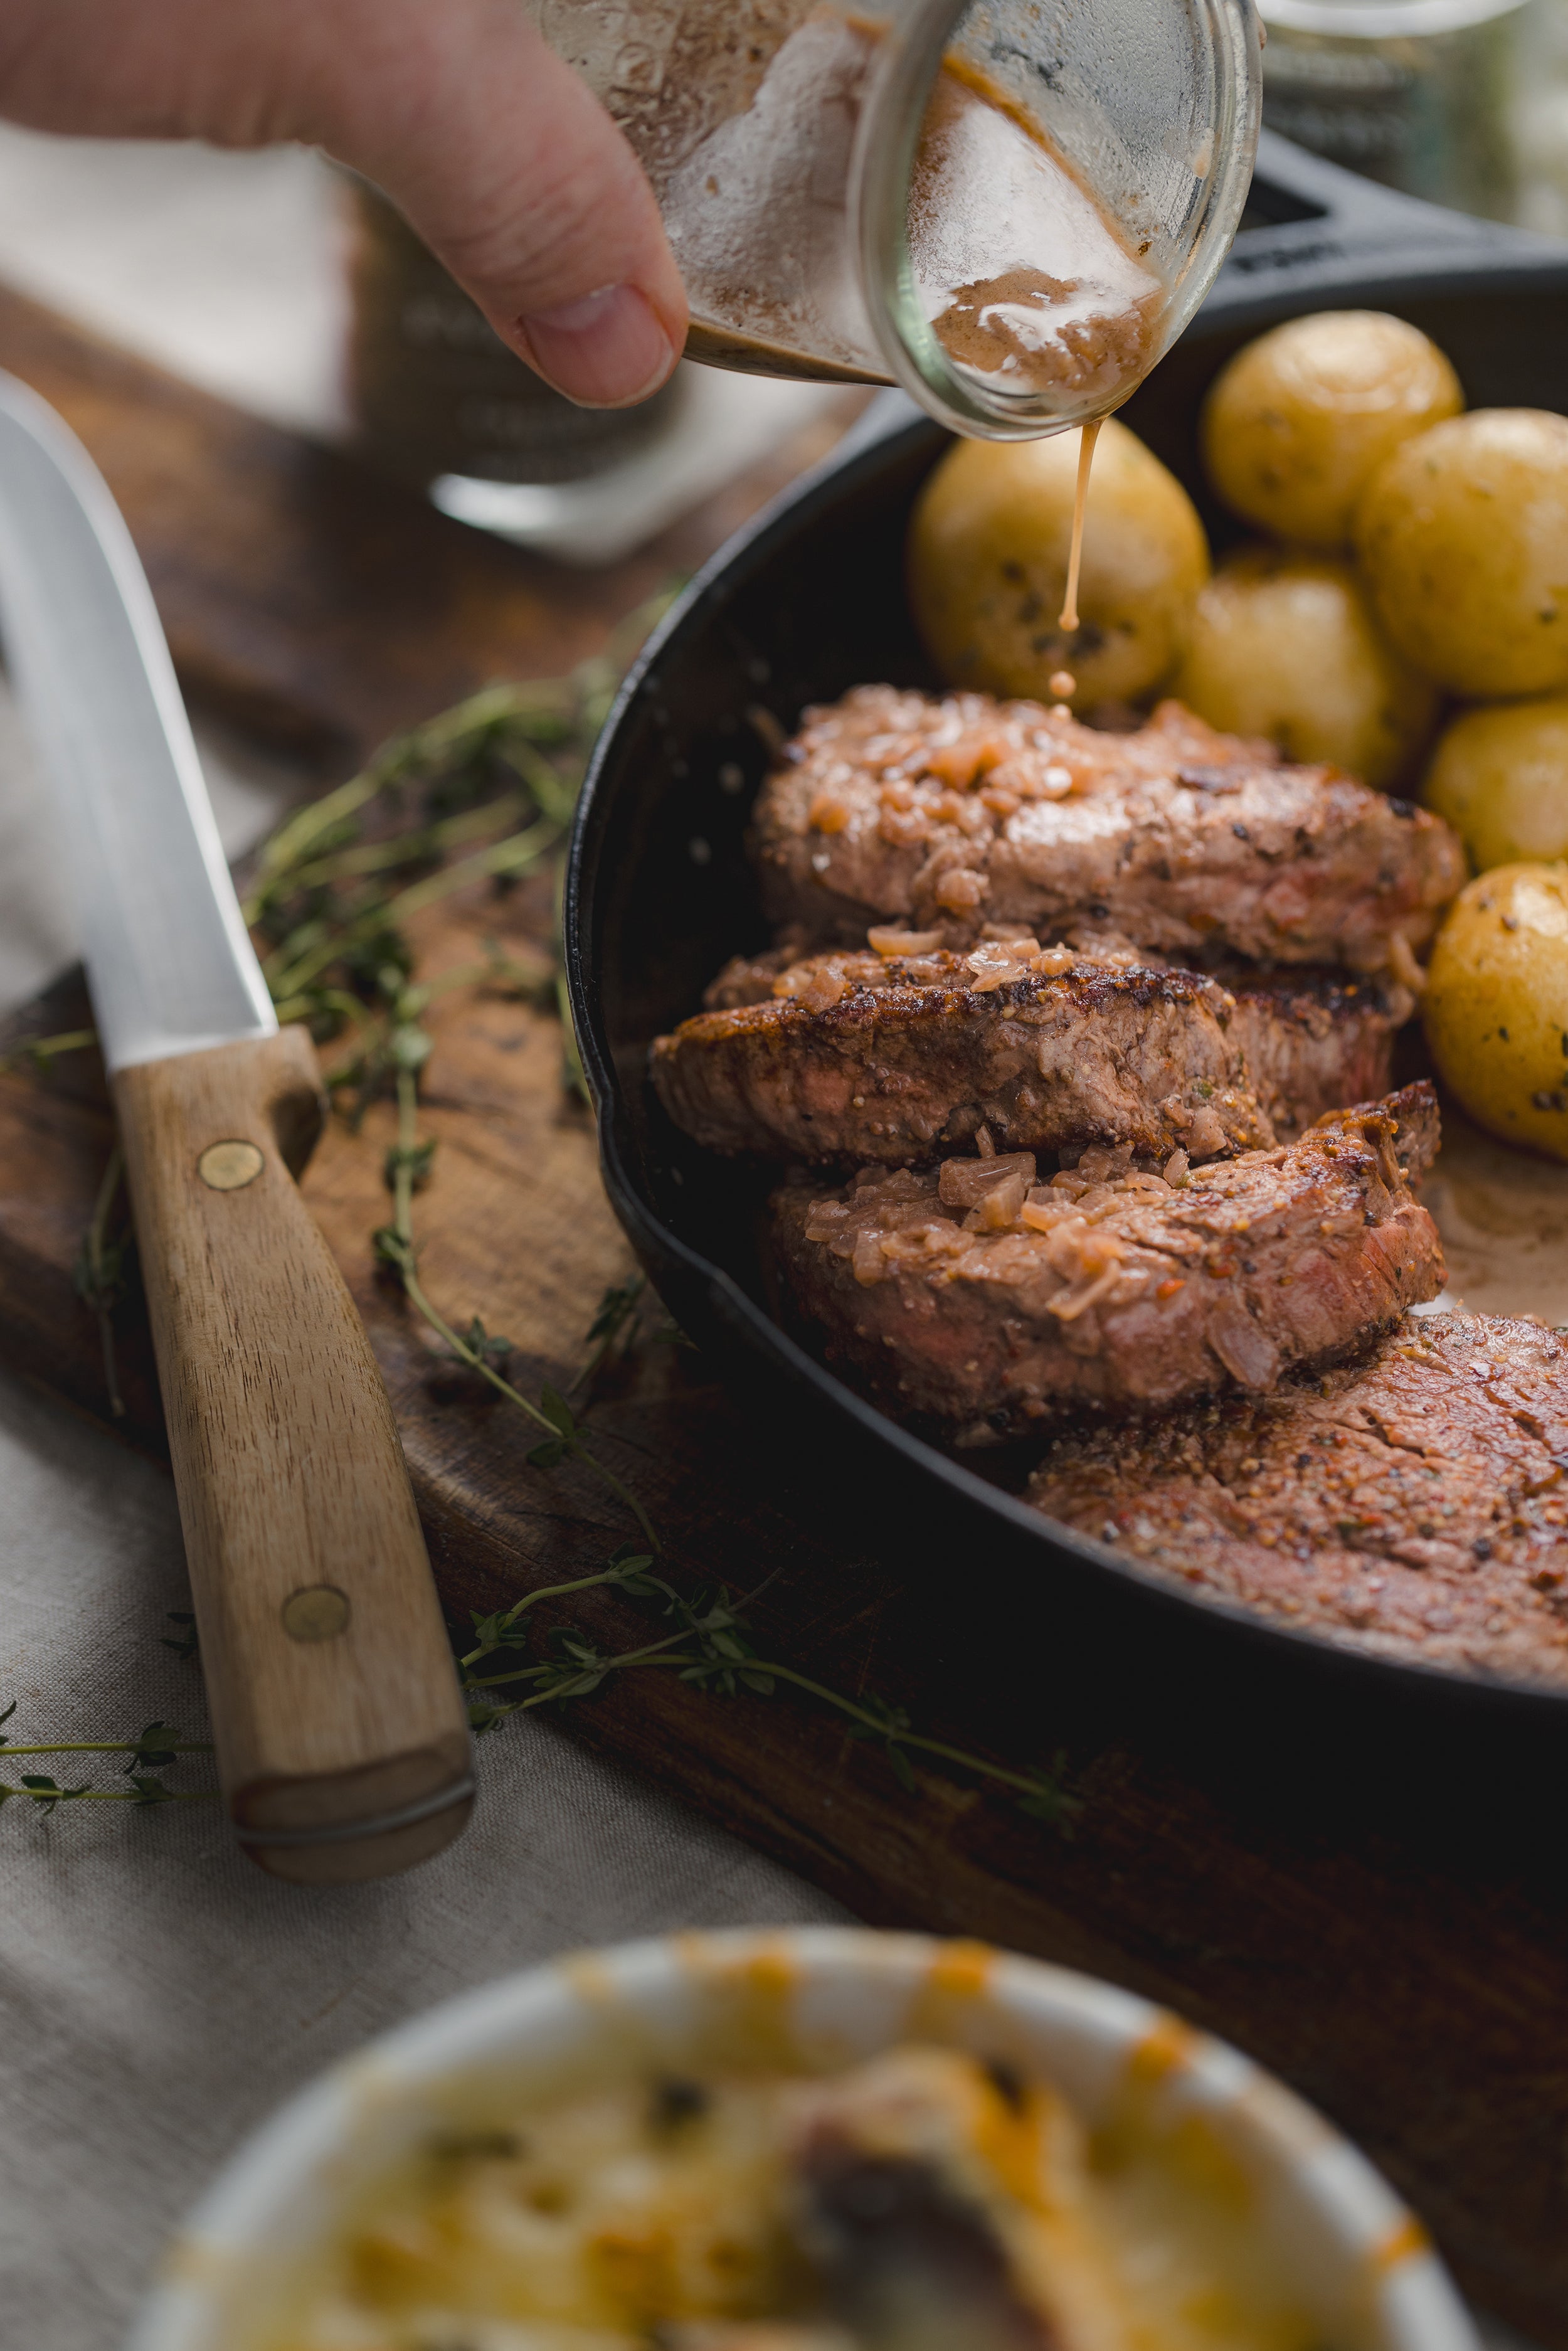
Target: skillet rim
1480	257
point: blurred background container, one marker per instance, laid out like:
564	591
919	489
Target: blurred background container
435	397
432	389
1464	102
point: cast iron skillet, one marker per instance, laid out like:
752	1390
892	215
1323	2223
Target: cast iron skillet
808	602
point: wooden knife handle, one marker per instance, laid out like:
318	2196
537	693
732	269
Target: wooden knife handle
342	1740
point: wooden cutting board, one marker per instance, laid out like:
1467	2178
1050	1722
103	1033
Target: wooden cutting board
1386	1925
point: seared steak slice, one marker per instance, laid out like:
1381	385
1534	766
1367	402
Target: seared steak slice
1416	1505
968	811
887	1057
976	1297
1313	1040
756	979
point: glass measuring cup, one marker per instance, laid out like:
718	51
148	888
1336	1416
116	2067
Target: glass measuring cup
1012	207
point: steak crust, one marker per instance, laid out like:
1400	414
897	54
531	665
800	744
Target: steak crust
1415	1505
966	811
975	1298
888	1058
1313	1040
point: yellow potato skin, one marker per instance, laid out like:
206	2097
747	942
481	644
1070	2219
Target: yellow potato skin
1463	538
1295	426
1286	646
988	567
1500	778
1496	1006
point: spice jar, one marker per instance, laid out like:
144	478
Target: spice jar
1011	209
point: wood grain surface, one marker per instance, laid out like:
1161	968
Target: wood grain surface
341	1735
1383	1919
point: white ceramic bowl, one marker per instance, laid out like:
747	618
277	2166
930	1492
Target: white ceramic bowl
817	1997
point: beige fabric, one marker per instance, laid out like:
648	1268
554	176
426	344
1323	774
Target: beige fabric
158	1995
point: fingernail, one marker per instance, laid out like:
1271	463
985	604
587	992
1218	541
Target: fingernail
607	350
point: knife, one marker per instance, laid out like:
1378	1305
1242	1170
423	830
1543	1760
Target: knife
341	1736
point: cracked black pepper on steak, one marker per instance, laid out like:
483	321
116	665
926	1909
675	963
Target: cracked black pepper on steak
977	1296
1414	1504
894	805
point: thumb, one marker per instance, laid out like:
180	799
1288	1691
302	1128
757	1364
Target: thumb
511	172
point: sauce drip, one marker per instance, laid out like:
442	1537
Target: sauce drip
1068	624
767	255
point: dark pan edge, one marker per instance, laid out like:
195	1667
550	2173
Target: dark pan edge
708	1297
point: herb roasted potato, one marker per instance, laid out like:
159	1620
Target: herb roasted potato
1285	645
1496	1006
1463	539
1500	778
988	567
1299	421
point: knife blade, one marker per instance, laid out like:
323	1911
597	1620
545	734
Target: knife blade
170	967
342	1738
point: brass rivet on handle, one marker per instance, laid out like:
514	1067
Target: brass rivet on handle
230	1166
319	1613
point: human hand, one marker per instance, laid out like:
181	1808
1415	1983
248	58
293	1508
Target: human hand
496	153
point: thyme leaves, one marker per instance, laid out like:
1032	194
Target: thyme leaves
482	793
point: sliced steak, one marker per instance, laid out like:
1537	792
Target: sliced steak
978	1298
1313	1040
968	811
889	1058
1414	1504
756	979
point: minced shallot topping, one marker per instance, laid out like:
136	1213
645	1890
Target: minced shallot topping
887	940
920	960
964	763
989	1219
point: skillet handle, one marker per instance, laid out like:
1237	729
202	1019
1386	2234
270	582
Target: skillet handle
341	1736
1316	234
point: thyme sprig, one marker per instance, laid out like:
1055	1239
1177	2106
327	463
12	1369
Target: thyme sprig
491	785
711	1650
408	1164
38	1052
157	1745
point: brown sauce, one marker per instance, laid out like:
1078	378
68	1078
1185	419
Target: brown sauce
991	204
1025	279
766	249
1068	624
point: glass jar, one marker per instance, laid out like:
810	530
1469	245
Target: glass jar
1012	207
1419	94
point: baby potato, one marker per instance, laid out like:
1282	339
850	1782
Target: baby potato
1299	421
1286	646
1497	1003
988	567
1463	538
1500	778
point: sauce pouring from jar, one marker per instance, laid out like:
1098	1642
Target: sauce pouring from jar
986	201
1026	282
